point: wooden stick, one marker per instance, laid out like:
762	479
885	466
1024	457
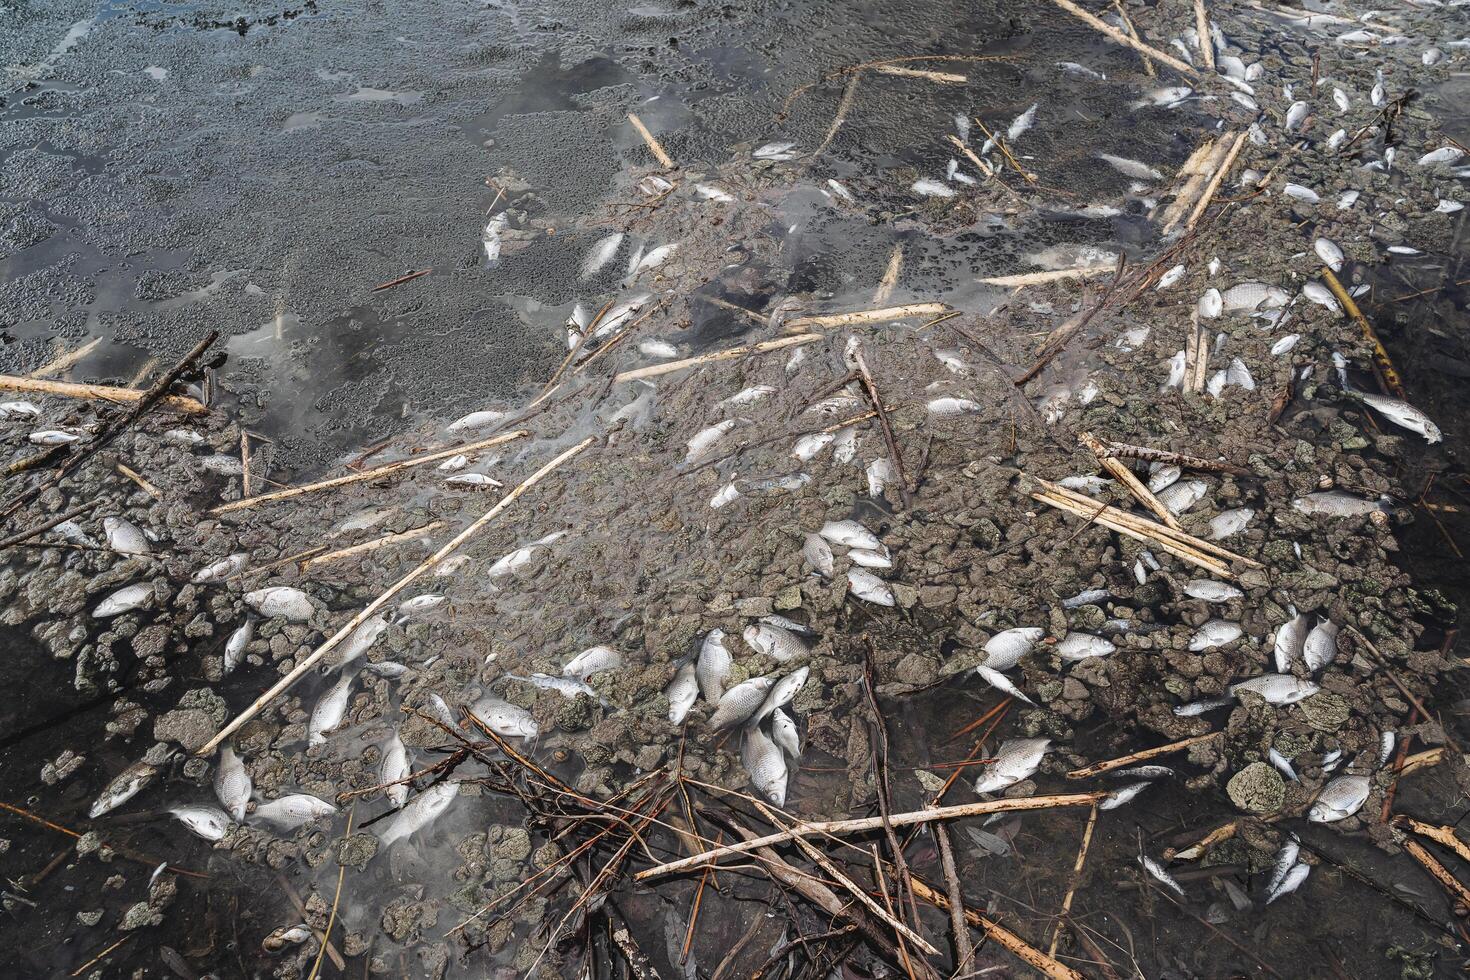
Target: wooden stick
1422	760
654	146
316	968
1041	278
1394	678
1125	476
1108	518
26	535
244	464
388	469
143	484
1005	151
1196	850
1197	170
964	948
94	960
429	563
1215	181
1386	373
1014	944
60	363
403	279
849	95
373	545
1125	40
1169	458
862	824
321	937
938	77
1098	768
653	370
106	393
1444	836
1196	356
1056	933
860	317
1458	892
871	390
890	275
1202	28
725	304
1148	66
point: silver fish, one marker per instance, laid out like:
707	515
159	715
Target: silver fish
125	599
1341	798
1163	478
1131	168
1403	415
285	936
52	437
1087	597
746	396
601	254
125	537
493	239
1290	640
72	531
1285	344
1277	688
1118	797
784	734
1171	277
1282	764
790	625
766	765
818	554
1385	747
1157	872
782	693
1320	647
293	810
1347	199
1300	193
952	406
593	660
727	494
360	640
232	784
123	787
473	481
393	768
567	687
222	464
850	534
808	446
1296	114
453	464
682	692
870	559
1183	495
704	440
221	570
1215	633
741	701
1083	646
236	644
1196	708
654	258
1329	253
835	406
1290	883
506	719
421	604
205	821
619	315
1005	649
422	811
1211	591
475	420
1172	95
931	188
437	707
389	669
1321	295
1176	370
779	644
183	437
775	151
1015	760
1335	503
1286	859
713	665
869	587
329	711
1445	155
18	409
1001	683
281	600
713	194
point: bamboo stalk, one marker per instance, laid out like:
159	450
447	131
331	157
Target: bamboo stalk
1386	372
653	370
654	146
1041	278
1102	517
105	393
1202	28
1215	181
1098	768
60	363
331	643
1444	836
938	77
862	824
1125	476
859	317
373	545
388	469
1051	968
1125	40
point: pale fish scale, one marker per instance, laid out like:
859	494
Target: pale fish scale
818	554
782	693
1289	642
1320	648
785	735
125	537
281	600
125	599
850	534
1083	646
123	787
593	660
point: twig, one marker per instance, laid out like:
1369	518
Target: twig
26	535
1125	40
1005	151
871	390
910	59
862	824
60	363
653	370
861	317
1125	476
938	77
1014	944
1383	369
377	472
698	901
725	304
638	964
1202	28
1169	458
654	146
1196	356
849	95
316	967
357	549
1212	927
1058	339
321	937
1098	768
890	276
1459	894
1394	677
1444	836
94	960
1197	171
244	464
1221	833
964	948
408	278
1041	278
433	560
1065	914
105	393
1148	66
1215	181
137	478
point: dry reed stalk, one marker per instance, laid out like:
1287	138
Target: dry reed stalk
859	317
1123	39
1125	476
105	393
1098	768
654	146
653	370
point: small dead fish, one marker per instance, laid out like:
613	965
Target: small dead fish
1444	156
1448	207
870	559
1290	641
704	440
1171	277
493	239
394	767
1083	646
741	701
1290	882
655	258
1163	477
775	151
1300	193
1182	496
869	587
422	811
1210	305
747	396
658	348
1001	683
808	446
779	644
601	254
765	764
1329	253
1157	872
220	570
1211	591
11	410
682	692
360	640
1348	199
236	644
1385	747
1253	296
620	315
1176	371
1015	760
1087	597
125	537
1335	503
125	599
1330	761
1131	168
387	669
1321	295
818	555
1277	688
1285	344
850	534
232	784
593	660
727	494
420	604
1296	114
713	666
222	464
710	193
472	481
183	437
1431	57
52	437
1215	633
785	735
1341	798
506	719
1166	97
1118	797
123	787
1403	415
781	694
931	188
840	190
293	810
281	600
1282	764
1196	708
568	687
1320	647
1239	375
285	936
1005	649
1022	123
204	821
952	406
329	711
474	420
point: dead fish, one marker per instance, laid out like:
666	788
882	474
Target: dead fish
1131	168
710	193
505	719
568	687
1211	591
1282	764
870	559
360	640
1329	253
601	254
421	604
747	396
183	437
1341	798
952	406
741	701
1448	207
493	239
1385	747
123	787
840	190
1176	370
388	669
329	711
655	258
1182	496
1296	114
1254	296
1171	277
125	537
779	644
436	706
713	666
775	151
850	534
1290	641
232	784
472	481
1444	156
281	600
1290	882
681	692
1210	304
474	420
1087	597
204	821
781	694
785	735
1162	477
1335	503
1166	97
18	409
236	644
765	764
1277	688
1073	68
1403	415
931	188
222	464
1001	683
808	446
1005	649
704	440
1083	646
285	936
869	587
658	348
1120	796
619	315
593	660
1285	344
1431	56
727	494
125	599
1321	295
1195	708
1215	633
1142	772
1157	872
1300	193
1341	100
1330	761
220	570
790	625
52	437
1022	123
422	811
1348	199
293	810
1320	647
1239	375
1015	760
